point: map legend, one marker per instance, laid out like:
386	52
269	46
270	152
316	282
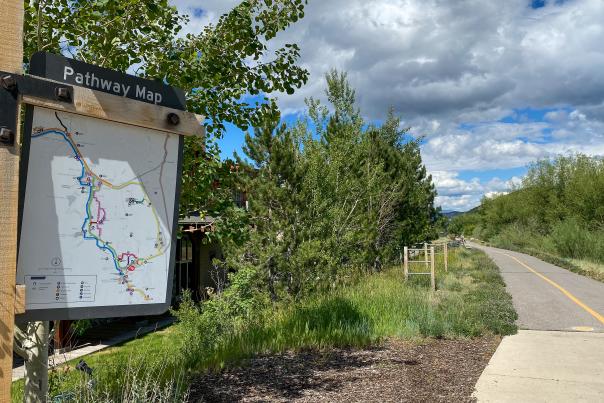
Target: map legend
60	289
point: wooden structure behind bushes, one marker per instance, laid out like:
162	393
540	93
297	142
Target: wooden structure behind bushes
194	269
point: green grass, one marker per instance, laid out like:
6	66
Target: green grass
584	267
123	365
470	301
596	270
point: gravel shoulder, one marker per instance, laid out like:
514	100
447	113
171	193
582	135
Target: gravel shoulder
399	371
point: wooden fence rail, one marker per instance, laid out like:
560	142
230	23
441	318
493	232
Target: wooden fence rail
429	252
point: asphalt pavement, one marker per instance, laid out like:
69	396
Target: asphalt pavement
548	297
558	356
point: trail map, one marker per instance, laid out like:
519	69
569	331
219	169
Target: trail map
98	213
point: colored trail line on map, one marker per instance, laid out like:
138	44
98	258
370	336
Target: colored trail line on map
88	179
100	216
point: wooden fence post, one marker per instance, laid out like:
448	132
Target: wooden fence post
406	263
11	61
426	254
432	271
446	254
400	259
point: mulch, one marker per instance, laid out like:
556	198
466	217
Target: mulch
398	371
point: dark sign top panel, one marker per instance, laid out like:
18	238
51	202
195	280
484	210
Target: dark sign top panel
82	74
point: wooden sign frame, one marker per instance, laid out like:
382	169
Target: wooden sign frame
11	60
148	113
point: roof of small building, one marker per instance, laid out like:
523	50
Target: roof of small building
196	222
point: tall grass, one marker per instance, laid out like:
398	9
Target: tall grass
592	269
572	239
141	370
470	301
568	239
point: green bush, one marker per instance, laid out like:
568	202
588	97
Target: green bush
79	327
571	238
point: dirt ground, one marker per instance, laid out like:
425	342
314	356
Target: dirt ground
433	371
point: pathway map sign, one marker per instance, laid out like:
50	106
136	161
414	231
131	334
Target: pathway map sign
98	217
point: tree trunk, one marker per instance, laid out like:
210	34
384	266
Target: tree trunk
36	367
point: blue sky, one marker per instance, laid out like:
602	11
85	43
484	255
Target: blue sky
231	142
491	86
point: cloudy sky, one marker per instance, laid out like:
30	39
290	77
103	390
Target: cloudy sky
491	85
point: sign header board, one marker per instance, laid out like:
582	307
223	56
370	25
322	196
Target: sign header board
74	72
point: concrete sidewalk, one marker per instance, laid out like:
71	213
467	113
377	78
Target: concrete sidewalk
545	366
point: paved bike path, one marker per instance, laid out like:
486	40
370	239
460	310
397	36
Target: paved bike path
548	297
559	354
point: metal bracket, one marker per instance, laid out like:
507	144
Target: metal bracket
8	116
12	86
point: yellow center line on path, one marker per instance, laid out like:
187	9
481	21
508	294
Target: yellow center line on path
559	287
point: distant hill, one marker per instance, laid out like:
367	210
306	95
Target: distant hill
451	214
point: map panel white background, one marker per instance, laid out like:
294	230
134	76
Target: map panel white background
98	213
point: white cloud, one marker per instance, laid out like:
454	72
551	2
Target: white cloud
461	203
439	58
435	59
202	13
455	193
454	69
448	184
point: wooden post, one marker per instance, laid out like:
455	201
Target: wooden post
446	254
62	336
432	271
400	259
406	263
426	254
11	60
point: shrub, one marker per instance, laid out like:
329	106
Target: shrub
571	238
